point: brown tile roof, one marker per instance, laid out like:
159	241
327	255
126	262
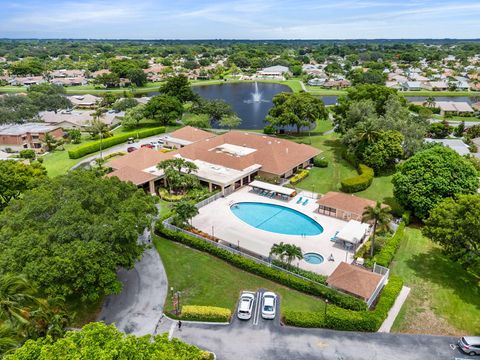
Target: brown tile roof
137	177
139	159
276	156
346	202
191	134
354	280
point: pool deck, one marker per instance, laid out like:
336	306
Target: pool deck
217	217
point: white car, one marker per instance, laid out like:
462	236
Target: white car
269	305
245	306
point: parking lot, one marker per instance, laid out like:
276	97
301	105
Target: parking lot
256	321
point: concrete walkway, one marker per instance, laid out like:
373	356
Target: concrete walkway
393	313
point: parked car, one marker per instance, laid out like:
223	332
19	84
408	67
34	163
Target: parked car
245	306
470	345
269	305
131	149
130	140
148	146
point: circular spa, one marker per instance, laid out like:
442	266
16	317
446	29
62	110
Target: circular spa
313	258
276	218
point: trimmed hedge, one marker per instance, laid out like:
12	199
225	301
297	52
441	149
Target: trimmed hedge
299	177
386	254
94	146
343	319
360	182
205	313
291	281
320	162
322	279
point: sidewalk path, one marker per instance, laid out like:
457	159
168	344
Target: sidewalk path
393	313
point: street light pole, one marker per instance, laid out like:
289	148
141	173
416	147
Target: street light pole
326	303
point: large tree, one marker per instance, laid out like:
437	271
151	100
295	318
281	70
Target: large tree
297	110
178	174
184	211
230	122
100	341
431	175
216	109
164	109
380	216
455	225
133	116
71	234
17	177
179	87
382	153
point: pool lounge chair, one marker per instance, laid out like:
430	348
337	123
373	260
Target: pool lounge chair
299	200
271	195
334	237
305	202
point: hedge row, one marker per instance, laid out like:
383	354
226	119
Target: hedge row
299	177
320	162
94	146
386	254
343	319
360	182
334	296
205	313
322	279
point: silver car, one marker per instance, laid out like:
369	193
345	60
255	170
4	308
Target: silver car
245	306
470	345
269	305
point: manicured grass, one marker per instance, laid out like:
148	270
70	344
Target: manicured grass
444	298
315	90
57	162
206	280
458	118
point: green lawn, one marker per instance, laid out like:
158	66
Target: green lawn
57	162
206	280
458	118
444	298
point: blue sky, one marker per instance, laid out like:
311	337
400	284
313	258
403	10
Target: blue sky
240	19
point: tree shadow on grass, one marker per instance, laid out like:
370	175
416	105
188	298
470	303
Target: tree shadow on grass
435	267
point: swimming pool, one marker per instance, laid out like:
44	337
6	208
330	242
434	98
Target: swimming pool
276	218
313	258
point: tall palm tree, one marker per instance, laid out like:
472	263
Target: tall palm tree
279	250
293	252
430	102
8	338
184	211
380	216
367	131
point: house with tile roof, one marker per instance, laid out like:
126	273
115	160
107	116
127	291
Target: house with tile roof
343	206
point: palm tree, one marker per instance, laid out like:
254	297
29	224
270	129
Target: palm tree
184	212
367	131
278	250
430	102
50	318
16	295
293	252
8	339
380	216
50	142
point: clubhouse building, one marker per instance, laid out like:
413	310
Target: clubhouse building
226	162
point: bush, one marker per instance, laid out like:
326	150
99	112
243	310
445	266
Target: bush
112	155
28	154
343	319
94	146
275	180
320	162
269	130
360	182
264	271
205	313
386	254
322	279
299	177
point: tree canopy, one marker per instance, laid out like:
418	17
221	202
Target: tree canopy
72	233
431	175
179	87
296	109
455	225
100	341
164	109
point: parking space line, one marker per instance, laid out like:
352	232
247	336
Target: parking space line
257	308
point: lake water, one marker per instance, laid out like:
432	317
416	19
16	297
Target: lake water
240	97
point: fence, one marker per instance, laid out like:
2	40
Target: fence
385	272
209	200
259	259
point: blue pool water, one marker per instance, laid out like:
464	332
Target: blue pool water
313	258
276	218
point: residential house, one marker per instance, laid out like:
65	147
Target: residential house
85	101
454	108
438	86
26	81
27	136
277	72
343	206
455	144
412	86
97	73
185	136
77	119
316	82
70	81
66	73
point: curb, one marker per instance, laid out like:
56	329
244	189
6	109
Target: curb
196	322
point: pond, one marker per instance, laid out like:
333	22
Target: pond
251	101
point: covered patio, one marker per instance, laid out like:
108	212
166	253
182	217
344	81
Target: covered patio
272	190
352	234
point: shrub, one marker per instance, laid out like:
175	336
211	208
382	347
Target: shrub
269	130
360	182
386	254
112	155
343	319
271	180
320	162
28	154
94	146
322	279
264	271
205	313
299	177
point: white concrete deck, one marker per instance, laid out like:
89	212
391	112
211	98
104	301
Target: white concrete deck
218	217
